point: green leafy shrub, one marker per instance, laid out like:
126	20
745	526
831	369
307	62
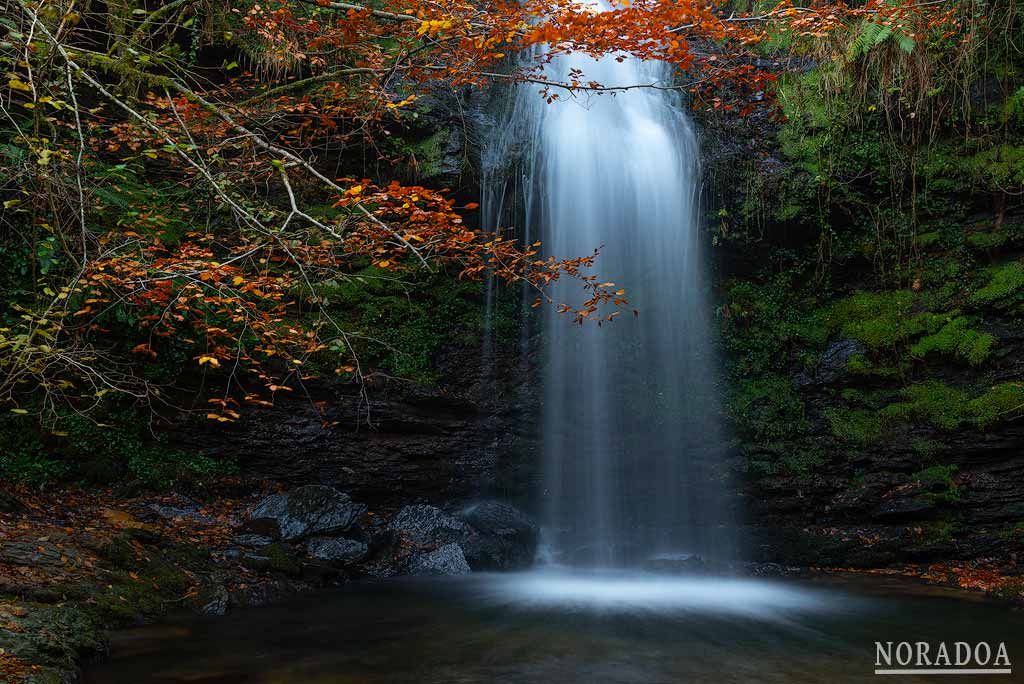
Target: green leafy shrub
78	449
763	321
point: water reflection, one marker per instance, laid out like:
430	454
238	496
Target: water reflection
559	627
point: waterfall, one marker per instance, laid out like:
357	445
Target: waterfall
631	441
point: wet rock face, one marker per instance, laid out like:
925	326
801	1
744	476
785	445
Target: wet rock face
323	533
506	539
467	437
875	507
306	511
337	550
832	364
445	560
422	524
491	535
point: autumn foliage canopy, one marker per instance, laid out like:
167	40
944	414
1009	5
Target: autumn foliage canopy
171	168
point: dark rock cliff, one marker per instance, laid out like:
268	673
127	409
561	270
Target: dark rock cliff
875	396
466	437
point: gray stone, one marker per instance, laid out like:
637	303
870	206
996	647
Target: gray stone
306	511
505	538
445	560
336	550
34	553
10	504
189	511
218	602
832	365
252	540
425	524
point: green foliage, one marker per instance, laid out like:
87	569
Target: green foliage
886	184
1004	287
878	320
931	402
24	459
768	409
401	327
859	426
940	476
763	321
937	474
872	35
1001	402
956	338
79	449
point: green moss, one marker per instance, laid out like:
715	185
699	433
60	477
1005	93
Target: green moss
936	474
402	327
858	364
796	458
274	558
948	408
940	532
878	320
858	426
931	402
802	461
941	477
141	582
428	155
925	448
762	322
768	409
956	338
987	241
1002	402
1004	287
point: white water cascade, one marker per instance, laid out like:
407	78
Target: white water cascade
629	429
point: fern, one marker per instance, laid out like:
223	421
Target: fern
871	35
905	42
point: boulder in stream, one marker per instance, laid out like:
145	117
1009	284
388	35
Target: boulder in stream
306	511
505	538
336	550
428	525
445	560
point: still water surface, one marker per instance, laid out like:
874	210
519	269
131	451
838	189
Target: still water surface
557	627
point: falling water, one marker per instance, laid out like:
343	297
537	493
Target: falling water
631	443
